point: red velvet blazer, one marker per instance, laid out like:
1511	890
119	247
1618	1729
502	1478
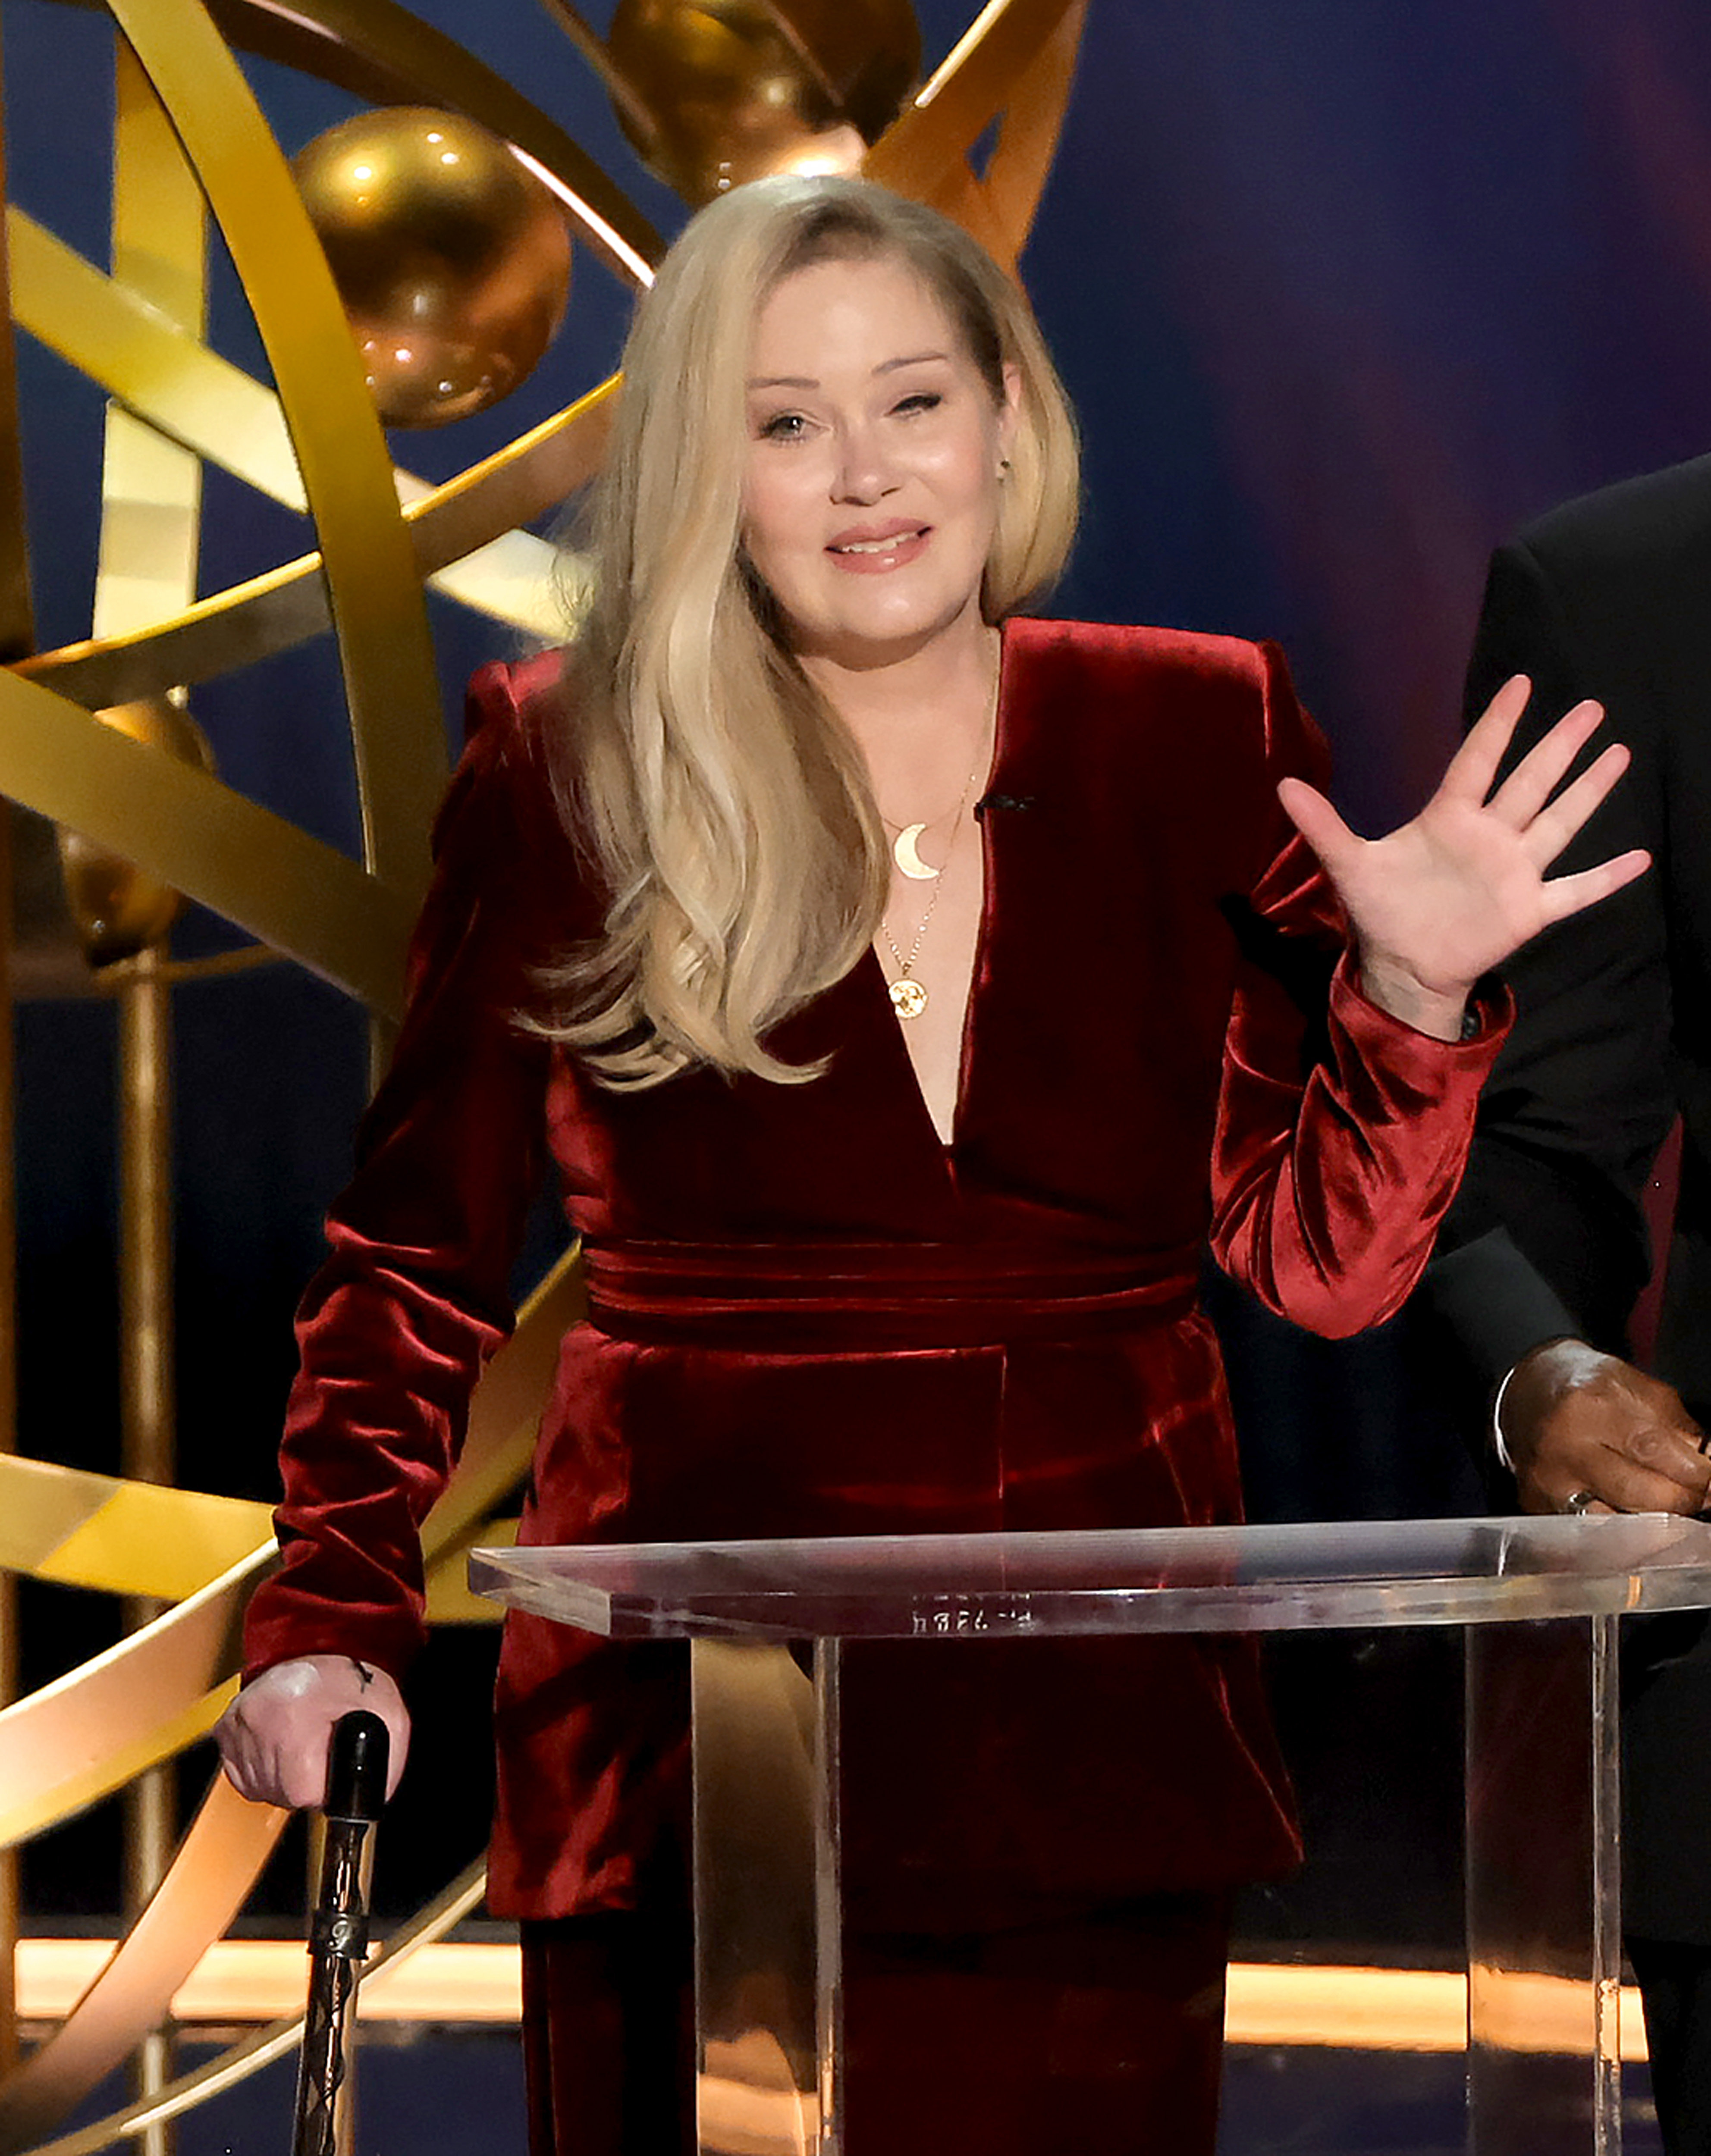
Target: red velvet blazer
809	1317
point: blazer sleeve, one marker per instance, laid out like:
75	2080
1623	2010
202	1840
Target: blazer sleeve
1548	1237
414	1294
1341	1132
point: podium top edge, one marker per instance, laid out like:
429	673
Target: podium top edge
1295	1576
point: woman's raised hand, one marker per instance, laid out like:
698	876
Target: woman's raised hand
274	1737
1450	896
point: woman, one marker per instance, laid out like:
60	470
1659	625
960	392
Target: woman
882	972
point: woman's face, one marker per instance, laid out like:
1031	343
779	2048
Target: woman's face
874	461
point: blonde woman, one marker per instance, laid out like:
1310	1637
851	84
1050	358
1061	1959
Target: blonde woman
903	991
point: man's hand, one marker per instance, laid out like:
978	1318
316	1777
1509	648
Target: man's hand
1576	1422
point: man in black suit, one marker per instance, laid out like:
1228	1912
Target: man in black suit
1547	1248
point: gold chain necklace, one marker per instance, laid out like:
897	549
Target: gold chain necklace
908	997
905	846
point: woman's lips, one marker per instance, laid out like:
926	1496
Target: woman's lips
874	551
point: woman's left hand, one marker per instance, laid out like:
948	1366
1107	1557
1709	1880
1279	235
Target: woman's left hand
1449	897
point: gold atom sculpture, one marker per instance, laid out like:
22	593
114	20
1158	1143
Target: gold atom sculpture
709	94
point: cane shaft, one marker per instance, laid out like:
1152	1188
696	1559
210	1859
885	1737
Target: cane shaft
338	1940
322	2096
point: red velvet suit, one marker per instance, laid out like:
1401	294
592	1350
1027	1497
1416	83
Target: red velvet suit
811	1317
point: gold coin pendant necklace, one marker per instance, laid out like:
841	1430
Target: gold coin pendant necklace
908	997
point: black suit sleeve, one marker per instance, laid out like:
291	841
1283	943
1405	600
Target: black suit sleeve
1546	1236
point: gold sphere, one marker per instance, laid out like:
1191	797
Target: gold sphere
117	908
452	260
732	96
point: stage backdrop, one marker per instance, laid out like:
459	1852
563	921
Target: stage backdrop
1342	291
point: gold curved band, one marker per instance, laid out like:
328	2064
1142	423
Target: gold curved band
396	729
114	336
62	2071
201	838
78	1740
163	1687
95	1531
1016	59
216	1864
287	606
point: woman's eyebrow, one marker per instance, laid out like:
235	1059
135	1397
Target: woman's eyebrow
807	382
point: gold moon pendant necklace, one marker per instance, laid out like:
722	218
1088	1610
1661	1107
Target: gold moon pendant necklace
906	847
908	860
908	997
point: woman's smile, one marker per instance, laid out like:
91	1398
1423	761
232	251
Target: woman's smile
873	550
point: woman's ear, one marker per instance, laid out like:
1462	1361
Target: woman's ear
1010	411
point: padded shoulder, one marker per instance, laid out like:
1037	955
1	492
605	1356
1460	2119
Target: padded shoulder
1125	652
1193	727
504	693
1661	520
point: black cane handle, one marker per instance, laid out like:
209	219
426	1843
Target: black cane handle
356	1767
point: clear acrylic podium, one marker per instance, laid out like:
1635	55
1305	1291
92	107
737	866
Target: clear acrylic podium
1541	1600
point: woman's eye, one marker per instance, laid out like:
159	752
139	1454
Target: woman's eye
923	400
784	427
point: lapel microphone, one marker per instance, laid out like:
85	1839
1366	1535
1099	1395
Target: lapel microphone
995	801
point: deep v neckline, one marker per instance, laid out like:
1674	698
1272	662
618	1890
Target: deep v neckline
946	1147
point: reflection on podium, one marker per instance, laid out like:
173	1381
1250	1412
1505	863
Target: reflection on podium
765	1837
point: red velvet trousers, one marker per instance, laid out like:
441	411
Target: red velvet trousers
1101	2034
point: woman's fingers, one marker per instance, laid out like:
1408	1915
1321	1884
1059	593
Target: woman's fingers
1530	785
1472	770
1319	823
1553	827
1454	892
1565	895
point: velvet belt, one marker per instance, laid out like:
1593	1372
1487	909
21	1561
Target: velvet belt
859	1298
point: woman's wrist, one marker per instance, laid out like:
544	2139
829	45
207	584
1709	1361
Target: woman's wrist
1396	990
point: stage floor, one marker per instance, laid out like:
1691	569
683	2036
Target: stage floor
459	2092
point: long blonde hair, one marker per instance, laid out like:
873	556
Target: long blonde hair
724	806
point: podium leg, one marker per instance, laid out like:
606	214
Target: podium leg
766	1899
1544	1888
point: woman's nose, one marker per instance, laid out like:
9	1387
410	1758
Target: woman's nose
864	472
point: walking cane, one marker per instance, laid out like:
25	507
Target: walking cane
338	1932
